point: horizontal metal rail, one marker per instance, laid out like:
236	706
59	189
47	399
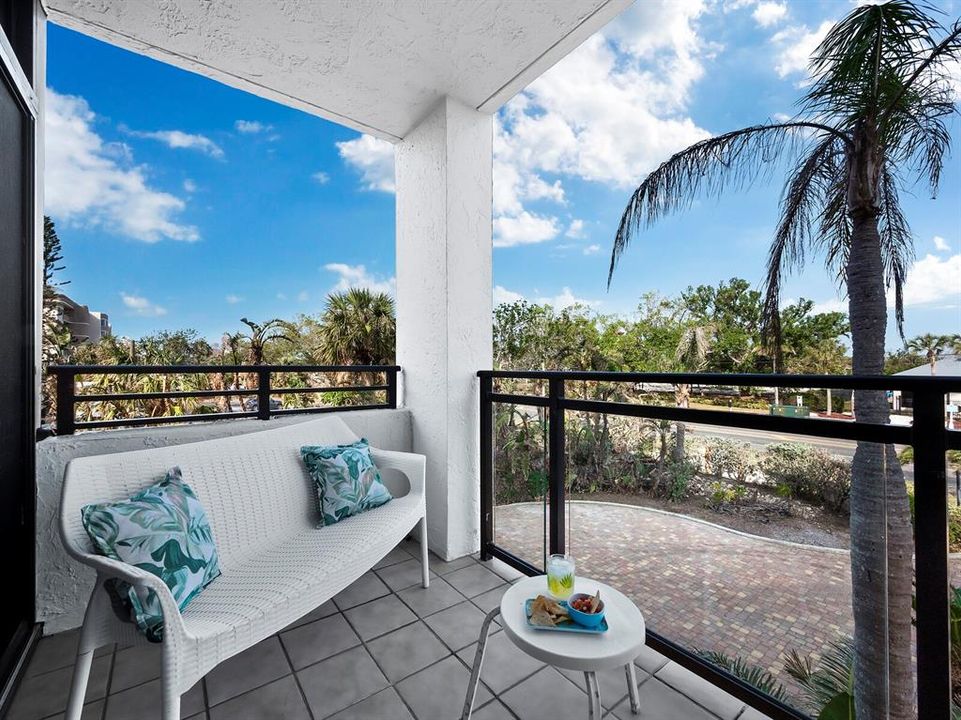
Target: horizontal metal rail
68	398
947	383
347	388
927	435
212	369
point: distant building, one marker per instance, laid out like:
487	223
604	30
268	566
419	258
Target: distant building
83	324
946	366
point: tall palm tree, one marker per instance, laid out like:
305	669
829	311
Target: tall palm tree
873	119
263	333
931	346
358	327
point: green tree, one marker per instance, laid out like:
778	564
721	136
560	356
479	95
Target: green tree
261	335
55	337
358	327
874	116
932	347
901	360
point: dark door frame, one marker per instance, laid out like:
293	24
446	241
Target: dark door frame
14	58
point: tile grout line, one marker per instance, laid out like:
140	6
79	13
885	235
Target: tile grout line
290	664
390	684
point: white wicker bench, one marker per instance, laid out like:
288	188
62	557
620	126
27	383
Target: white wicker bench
277	565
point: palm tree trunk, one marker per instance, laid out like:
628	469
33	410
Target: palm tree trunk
682	399
881	536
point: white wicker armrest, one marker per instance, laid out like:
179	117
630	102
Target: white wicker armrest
412	465
110	568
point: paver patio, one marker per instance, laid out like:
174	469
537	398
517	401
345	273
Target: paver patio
383	649
699	584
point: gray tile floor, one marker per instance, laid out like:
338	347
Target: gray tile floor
384	648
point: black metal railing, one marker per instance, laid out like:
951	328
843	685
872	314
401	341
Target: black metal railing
255	402
928	436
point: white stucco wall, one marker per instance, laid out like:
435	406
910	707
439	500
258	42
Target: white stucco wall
63	586
444	302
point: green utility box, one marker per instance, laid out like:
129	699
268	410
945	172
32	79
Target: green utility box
800	411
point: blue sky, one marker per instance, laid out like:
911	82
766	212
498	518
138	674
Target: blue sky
184	203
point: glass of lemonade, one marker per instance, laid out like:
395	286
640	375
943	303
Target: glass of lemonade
560	576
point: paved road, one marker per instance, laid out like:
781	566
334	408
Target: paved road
759	440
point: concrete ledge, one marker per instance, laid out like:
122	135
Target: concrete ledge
63	586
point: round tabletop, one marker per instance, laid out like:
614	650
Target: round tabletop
618	646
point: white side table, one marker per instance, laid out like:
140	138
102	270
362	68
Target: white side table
618	647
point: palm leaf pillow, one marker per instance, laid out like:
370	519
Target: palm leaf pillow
162	530
346	478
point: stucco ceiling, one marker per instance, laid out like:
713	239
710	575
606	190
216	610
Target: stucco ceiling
378	66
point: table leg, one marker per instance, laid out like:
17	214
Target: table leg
632	687
478	663
593	696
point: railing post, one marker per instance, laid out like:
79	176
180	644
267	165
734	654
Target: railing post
263	393
392	388
558	466
486	466
66	389
931	555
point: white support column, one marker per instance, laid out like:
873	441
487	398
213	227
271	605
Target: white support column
444	296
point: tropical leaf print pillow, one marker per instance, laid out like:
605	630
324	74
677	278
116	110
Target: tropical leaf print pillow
346	478
163	530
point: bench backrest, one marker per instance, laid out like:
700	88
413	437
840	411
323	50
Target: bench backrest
254	487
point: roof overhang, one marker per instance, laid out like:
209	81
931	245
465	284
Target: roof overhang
378	66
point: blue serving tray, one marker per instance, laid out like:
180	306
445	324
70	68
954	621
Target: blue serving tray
573	627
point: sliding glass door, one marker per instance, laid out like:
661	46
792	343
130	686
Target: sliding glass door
17	397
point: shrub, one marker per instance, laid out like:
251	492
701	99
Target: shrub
678	480
720	494
728	459
808	473
954	519
906	456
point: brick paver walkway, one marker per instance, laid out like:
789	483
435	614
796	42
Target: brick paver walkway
702	585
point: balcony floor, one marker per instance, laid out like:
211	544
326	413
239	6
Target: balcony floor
383	648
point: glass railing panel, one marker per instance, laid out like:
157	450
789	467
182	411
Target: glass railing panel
735	546
520	480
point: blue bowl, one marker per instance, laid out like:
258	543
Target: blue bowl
590	620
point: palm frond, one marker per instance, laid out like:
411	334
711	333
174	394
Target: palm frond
802	202
831	676
735	159
864	61
897	243
751	674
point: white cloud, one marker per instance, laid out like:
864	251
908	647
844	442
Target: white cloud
320	177
303	296
795	45
829	306
373	159
356	276
941	244
139	305
178	139
190	186
767	14
251	127
932	279
90	182
281	296
503	295
575	229
609	112
233	299
592	249
524	229
565	299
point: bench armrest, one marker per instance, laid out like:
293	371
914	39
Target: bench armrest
110	568
412	465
